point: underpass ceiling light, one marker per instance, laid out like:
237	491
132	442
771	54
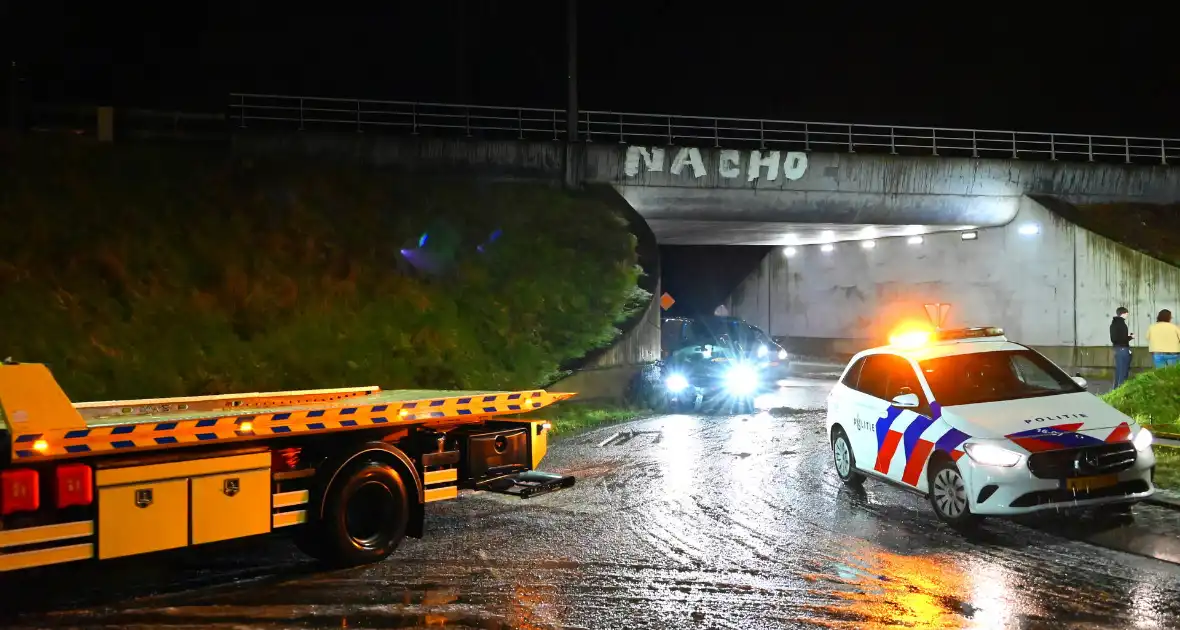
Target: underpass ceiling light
790	239
969	236
914	240
827	236
915	230
1030	229
868	232
788	251
827	248
868	244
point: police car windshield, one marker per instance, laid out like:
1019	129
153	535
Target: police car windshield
983	377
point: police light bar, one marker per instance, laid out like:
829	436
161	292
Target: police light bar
979	332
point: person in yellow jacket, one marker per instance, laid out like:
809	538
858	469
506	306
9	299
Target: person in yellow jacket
1163	340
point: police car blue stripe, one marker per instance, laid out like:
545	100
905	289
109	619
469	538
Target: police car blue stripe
78	433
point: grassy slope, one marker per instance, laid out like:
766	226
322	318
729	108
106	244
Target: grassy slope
154	271
1153	399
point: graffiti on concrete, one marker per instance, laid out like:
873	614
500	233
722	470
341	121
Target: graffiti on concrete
791	165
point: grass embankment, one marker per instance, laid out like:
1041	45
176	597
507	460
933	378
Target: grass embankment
1153	400
137	271
571	416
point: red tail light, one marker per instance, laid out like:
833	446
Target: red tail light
20	491
74	485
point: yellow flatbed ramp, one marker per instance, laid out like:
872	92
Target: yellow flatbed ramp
44	424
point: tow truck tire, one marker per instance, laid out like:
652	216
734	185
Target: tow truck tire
365	516
845	469
948	494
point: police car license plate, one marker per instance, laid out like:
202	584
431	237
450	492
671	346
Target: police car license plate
1088	484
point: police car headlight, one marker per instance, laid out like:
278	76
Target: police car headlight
676	383
992	455
782	355
1143	439
763	351
741	380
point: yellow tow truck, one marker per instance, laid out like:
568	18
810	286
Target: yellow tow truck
348	470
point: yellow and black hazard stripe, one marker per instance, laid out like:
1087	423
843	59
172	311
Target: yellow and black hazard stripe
207	430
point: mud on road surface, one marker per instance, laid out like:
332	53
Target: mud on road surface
676	522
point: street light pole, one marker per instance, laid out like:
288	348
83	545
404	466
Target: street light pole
571	111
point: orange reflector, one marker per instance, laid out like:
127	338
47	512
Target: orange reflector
20	491
40	446
74	486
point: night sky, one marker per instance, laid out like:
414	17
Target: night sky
980	65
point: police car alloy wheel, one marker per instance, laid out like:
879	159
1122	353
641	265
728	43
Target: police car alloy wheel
948	495
844	460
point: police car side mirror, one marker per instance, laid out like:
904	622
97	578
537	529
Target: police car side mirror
905	401
1080	381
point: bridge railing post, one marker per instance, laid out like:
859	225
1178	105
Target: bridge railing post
621	140
851	147
806	137
1089	148
1052	148
761	134
934	141
974	145
520	123
586	134
1015	156
716	134
1163	153
300	113
669	120
242	112
555	124
1127	148
358	116
892	141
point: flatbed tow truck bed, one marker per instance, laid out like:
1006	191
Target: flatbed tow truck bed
349	469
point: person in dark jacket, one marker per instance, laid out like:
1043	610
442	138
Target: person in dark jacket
1121	338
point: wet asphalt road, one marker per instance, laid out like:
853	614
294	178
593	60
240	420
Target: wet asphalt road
680	522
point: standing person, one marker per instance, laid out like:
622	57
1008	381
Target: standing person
1163	340
1120	338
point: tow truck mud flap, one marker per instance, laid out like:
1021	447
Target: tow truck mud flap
527	484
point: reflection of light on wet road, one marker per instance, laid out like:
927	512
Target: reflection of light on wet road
1147	601
677	453
891	590
794	393
991	596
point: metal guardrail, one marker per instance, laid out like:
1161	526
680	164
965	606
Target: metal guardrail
530	123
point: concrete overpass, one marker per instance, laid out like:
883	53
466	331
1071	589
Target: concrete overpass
810	187
740	181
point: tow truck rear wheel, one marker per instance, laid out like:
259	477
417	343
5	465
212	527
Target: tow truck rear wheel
365	515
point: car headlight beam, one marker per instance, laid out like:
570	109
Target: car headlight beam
676	383
741	380
992	455
1143	439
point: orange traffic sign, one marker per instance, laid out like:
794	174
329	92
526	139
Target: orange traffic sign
666	301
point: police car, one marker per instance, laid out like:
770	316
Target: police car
983	426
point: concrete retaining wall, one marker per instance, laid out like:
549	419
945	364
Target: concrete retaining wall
1055	290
